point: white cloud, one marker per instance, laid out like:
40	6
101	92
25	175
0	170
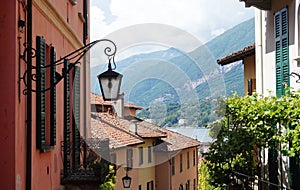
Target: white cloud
202	18
217	32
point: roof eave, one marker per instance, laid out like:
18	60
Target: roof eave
237	56
260	4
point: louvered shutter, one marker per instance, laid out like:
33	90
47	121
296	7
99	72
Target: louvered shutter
76	113
52	97
66	118
40	93
281	51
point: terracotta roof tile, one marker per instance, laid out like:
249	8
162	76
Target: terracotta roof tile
175	141
98	100
146	129
105	126
117	130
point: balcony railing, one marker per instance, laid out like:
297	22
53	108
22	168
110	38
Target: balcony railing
87	169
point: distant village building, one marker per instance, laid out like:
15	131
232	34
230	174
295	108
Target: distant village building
154	157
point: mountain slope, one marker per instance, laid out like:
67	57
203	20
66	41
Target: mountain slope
170	76
200	67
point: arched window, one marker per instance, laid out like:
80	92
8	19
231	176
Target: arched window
181	187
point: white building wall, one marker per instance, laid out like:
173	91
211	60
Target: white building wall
265	61
264	40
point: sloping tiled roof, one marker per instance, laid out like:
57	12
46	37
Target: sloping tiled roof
117	131
146	129
238	55
98	100
176	141
105	126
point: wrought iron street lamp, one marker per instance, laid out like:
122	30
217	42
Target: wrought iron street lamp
126	181
110	81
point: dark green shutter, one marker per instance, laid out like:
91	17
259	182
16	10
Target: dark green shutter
66	118
52	97
76	120
281	51
40	93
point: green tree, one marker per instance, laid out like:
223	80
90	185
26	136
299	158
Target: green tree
252	123
203	177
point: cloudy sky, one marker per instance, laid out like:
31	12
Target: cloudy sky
203	18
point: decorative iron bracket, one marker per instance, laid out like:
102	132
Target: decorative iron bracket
74	56
293	74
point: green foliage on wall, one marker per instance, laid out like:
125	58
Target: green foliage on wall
110	180
252	123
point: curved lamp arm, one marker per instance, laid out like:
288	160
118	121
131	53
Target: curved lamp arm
74	56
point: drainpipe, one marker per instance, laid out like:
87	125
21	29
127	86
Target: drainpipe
259	68
83	70
170	163
29	99
259	50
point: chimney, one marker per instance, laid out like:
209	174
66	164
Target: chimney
119	106
133	127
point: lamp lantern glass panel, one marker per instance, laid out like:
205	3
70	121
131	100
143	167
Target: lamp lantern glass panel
126	181
110	83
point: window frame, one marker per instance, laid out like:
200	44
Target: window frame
150	185
188	160
180	162
141	155
149	154
129	158
173	166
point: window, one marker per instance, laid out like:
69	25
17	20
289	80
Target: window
129	157
173	166
150	185
281	32
141	155
187	185
67	119
76	118
195	184
45	100
180	169
140	187
194	157
52	60
181	187
188	160
149	154
113	158
73	2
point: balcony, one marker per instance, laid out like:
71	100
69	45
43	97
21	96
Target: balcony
83	165
80	177
260	4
